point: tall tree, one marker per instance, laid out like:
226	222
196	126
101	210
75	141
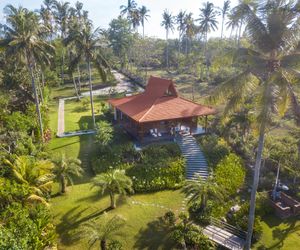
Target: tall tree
87	43
168	24
144	17
224	11
113	182
208	21
61	15
64	169
190	29
270	70
107	229
23	39
180	21
127	9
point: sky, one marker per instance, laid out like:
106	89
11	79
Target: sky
103	11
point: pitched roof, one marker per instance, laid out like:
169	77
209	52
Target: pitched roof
159	101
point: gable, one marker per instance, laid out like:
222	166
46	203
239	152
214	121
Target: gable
158	87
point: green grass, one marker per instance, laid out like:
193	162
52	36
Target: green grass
141	212
280	234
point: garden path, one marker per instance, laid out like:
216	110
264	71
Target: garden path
122	86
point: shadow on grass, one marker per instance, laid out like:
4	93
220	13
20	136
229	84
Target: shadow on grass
155	236
72	220
282	234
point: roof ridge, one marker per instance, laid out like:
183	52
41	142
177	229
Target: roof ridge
152	106
195	102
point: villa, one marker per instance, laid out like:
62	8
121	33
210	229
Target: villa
159	111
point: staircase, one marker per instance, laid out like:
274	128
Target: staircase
196	164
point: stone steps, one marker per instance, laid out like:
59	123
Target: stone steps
196	164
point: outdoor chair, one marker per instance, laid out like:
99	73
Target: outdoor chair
159	134
153	133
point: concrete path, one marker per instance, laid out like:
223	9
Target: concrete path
122	86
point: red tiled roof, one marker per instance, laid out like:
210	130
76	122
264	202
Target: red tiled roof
154	105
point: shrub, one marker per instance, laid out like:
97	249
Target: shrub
104	133
230	173
214	149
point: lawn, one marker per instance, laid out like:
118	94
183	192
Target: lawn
82	203
141	212
280	234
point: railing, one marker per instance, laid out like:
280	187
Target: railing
229	228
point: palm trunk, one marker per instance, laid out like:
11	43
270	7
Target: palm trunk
103	245
75	87
37	106
91	93
63	184
167	61
43	79
222	27
143	31
112	200
254	186
62	67
79	80
240	33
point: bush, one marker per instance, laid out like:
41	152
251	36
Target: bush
214	149
104	133
230	174
164	171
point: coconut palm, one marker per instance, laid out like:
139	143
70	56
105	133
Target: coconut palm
23	39
113	182
202	190
64	169
233	23
168	24
224	11
144	17
180	21
103	231
61	14
190	29
127	9
270	70
135	19
208	20
36	174
87	44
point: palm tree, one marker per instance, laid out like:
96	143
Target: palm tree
144	17
168	24
224	11
131	5
107	229
268	74
65	168
135	19
113	182
202	190
87	44
180	21
208	20
61	15
36	174
190	29
233	23
23	39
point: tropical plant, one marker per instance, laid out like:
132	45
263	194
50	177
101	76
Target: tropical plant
168	24
271	69
103	231
127	9
36	174
23	40
61	12
113	182
104	133
180	21
87	44
224	11
144	17
64	169
189	236
202	190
